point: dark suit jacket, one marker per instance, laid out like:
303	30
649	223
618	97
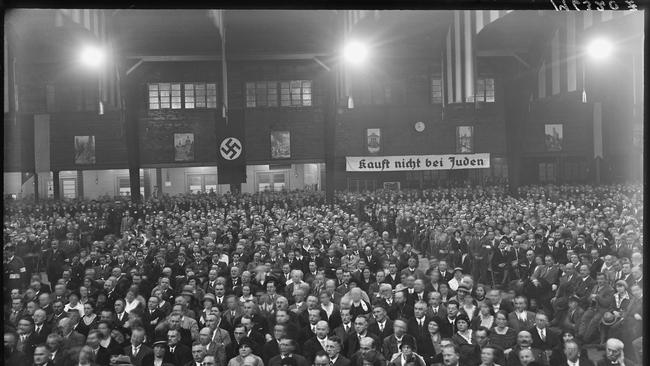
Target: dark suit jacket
518	325
182	355
300	360
352	344
442	312
341	333
74	340
310	348
143	355
605	362
270	350
103	357
415	330
342	361
583	290
552	339
388	329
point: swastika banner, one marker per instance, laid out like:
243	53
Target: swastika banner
230	149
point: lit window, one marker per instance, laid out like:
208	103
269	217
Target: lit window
485	90
262	94
69	187
124	186
176	96
295	93
436	90
200	95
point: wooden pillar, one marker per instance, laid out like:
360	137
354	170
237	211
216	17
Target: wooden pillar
80	184
56	183
159	182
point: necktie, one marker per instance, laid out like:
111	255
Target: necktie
543	335
381	327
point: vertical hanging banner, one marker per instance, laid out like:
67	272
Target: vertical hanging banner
373	140
231	151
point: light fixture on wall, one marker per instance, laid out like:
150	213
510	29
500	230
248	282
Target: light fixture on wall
96	178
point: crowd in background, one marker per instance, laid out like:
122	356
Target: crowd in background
463	276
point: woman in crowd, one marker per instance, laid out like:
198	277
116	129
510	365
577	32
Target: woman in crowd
89	320
429	347
502	335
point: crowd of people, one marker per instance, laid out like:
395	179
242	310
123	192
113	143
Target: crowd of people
462	276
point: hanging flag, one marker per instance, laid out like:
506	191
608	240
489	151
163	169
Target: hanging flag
231	149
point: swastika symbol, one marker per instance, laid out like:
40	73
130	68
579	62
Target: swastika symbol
230	148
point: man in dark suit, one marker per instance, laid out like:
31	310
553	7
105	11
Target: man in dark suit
178	353
333	349
41	357
346	328
501	260
544	338
101	355
12	355
361	331
381	326
417	326
436	308
584	285
447	324
287	349
138	352
614	354
316	343
392	343
571	352
41	328
271	348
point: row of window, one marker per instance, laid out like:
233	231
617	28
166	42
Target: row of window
294	93
182	95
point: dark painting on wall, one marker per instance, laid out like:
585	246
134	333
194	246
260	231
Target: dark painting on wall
280	145
553	137
183	146
373	136
84	150
464	139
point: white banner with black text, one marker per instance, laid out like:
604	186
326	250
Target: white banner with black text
416	162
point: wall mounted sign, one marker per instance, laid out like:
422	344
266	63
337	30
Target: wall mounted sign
553	137
84	150
416	162
419	126
464	139
373	140
230	148
183	146
280	145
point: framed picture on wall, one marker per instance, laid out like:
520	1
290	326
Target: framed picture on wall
464	139
280	145
373	140
84	150
553	136
183	146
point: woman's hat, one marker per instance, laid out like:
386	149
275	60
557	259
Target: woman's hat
461	316
210	297
160	341
407	341
621	283
608	319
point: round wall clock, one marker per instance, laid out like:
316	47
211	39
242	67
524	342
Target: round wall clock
419	126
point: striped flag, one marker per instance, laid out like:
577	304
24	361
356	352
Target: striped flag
218	20
459	61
